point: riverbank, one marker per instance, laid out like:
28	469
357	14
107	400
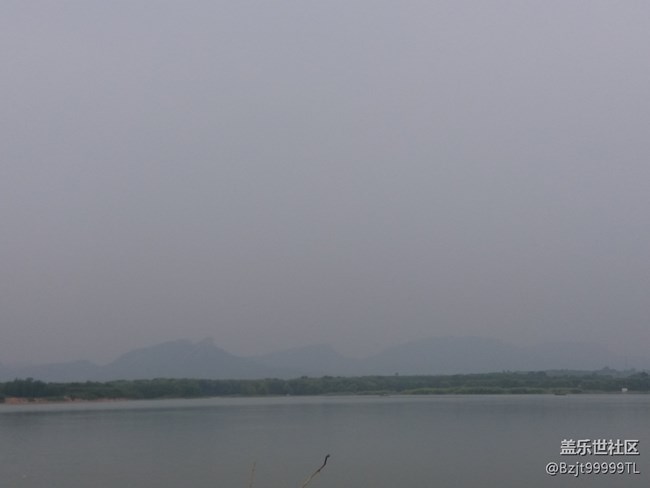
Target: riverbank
521	383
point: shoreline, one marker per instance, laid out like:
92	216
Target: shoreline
20	401
42	401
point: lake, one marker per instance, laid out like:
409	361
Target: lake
378	442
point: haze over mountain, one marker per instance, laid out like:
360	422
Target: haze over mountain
448	355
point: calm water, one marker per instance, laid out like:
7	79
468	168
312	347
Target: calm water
378	442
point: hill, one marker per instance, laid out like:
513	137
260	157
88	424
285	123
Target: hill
447	355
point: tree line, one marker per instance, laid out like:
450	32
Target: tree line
488	383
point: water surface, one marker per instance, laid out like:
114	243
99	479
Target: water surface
379	442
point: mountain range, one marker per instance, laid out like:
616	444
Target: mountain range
446	355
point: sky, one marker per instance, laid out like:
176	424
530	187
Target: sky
357	173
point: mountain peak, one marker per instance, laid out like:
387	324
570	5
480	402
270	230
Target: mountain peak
206	342
443	355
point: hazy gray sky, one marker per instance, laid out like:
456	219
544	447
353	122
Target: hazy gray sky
361	173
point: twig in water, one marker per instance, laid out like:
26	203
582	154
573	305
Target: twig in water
315	472
250	484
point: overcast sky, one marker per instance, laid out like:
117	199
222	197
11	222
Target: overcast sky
359	173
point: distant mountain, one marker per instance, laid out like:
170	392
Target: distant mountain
70	371
447	355
567	355
453	355
176	359
4	371
314	360
183	359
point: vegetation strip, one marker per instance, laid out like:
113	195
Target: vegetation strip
559	382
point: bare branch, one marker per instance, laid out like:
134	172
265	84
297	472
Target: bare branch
308	480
